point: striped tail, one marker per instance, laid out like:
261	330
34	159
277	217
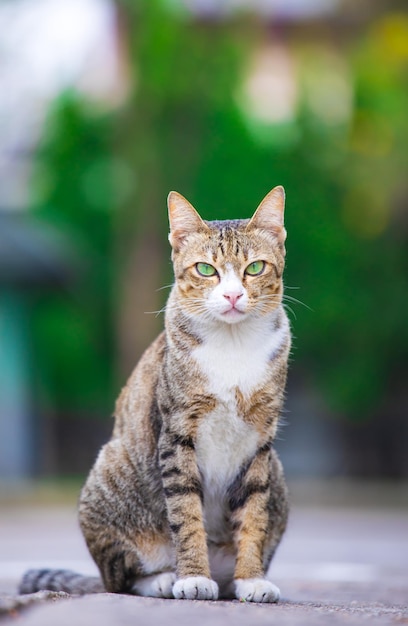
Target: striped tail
59	580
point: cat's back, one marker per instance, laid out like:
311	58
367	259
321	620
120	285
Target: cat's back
137	417
125	476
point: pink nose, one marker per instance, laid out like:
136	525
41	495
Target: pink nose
233	296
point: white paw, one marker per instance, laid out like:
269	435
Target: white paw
195	588
156	586
256	590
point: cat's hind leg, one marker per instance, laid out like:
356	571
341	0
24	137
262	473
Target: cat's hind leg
142	566
157	561
130	559
156	585
125	527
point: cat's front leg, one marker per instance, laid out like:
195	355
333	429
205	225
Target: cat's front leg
184	496
257	531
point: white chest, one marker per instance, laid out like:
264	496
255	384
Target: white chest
234	357
224	443
230	359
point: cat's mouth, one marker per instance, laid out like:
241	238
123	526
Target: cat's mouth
233	313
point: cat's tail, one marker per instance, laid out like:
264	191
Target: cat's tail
59	580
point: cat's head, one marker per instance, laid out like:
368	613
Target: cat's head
228	270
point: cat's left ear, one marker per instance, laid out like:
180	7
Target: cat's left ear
184	219
269	214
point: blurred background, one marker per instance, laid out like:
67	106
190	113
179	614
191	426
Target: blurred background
107	105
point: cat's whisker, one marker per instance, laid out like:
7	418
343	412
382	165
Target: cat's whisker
165	287
284	298
156	313
295	300
289	308
192	307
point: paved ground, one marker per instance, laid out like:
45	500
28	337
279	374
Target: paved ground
344	560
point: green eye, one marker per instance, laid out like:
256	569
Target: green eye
205	269
255	268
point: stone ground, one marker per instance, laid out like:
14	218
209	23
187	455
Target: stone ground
344	560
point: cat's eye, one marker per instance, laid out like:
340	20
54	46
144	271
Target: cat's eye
255	268
205	269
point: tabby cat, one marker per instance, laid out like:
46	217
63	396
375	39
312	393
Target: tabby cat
188	498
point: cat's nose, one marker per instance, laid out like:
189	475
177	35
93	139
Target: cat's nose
233	296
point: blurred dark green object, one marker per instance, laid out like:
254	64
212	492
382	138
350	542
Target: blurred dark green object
73	190
104	179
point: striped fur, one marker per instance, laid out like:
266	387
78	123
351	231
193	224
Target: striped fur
188	498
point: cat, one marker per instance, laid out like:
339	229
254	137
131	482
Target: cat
188	498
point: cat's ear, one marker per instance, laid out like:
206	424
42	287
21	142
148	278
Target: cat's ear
269	214
184	219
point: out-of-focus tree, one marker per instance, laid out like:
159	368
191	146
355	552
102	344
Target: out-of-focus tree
354	230
73	189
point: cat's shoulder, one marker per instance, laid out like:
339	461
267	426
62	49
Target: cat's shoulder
140	387
151	360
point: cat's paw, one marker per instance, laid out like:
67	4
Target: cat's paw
156	586
256	590
195	588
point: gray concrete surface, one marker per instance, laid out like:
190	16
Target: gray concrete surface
342	561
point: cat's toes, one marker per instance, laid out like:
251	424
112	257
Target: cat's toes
256	590
157	586
164	584
196	588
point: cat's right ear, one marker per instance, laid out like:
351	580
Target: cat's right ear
184	219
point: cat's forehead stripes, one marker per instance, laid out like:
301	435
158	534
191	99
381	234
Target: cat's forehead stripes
228	239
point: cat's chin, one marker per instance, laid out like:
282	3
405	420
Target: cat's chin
233	316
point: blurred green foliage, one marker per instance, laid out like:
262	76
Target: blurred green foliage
184	127
73	189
